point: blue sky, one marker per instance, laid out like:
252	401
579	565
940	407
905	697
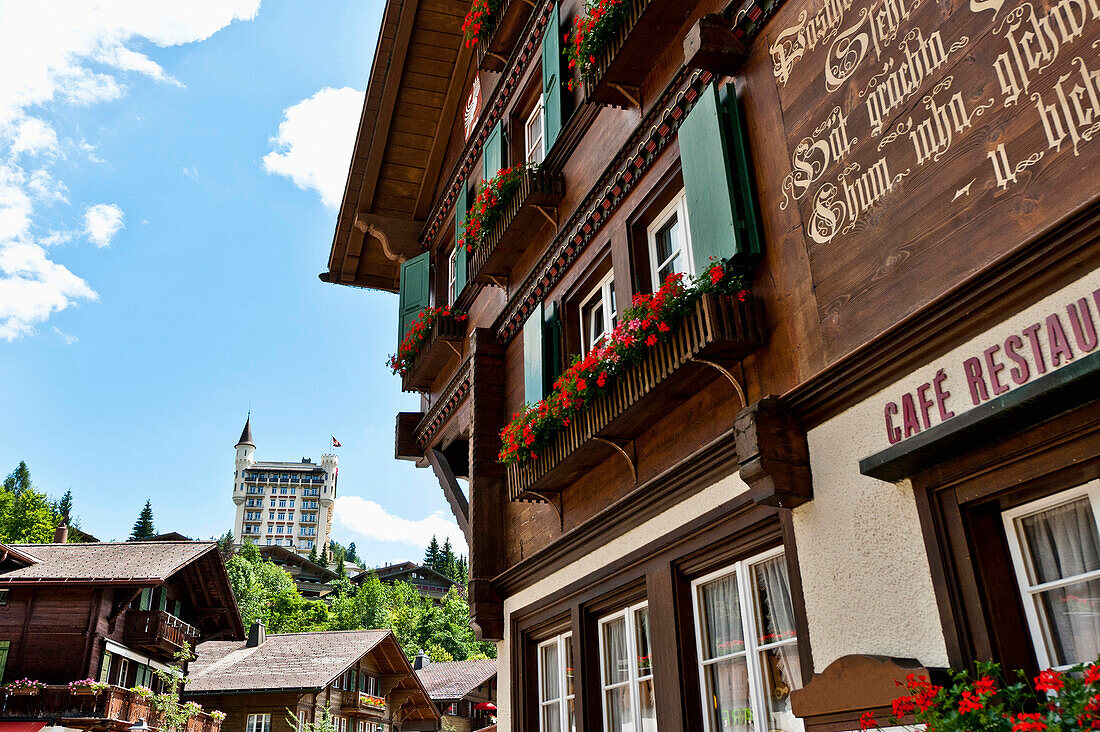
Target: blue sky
157	276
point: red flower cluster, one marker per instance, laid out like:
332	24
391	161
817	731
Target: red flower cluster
1049	680
591	32
1029	722
476	24
493	195
401	361
640	327
921	698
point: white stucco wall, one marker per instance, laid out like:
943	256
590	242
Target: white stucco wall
864	568
608	554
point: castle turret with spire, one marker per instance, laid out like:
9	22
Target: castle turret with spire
282	503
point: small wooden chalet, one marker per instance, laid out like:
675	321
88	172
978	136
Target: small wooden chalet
311	579
465	692
429	583
111	612
361	676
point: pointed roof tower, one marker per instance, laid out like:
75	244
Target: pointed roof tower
246	433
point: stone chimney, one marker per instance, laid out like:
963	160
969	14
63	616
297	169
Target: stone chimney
61	533
421	661
256	634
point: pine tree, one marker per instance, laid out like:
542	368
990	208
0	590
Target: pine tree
431	556
324	555
462	573
446	558
64	506
313	554
18	480
143	527
350	553
338	558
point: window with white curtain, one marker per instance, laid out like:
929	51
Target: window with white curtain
1055	548
258	723
626	671
556	694
747	646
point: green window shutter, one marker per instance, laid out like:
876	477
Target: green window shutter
105	667
5	646
533	356
415	289
492	153
551	80
162	603
462	262
717	180
551	351
177	608
146	598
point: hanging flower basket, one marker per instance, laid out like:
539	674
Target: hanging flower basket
593	30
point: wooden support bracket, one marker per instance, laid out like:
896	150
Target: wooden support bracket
498	281
552	219
711	45
621	446
727	373
632	93
774	455
558	506
497	56
456	347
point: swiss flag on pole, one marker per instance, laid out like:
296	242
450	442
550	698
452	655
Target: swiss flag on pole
335	442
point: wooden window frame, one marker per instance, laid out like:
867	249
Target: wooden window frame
678	207
634	678
560	642
746	597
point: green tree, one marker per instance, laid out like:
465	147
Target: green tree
338	559
313	554
19	480
144	527
28	518
431	556
64	506
349	555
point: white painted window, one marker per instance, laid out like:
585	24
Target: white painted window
598	313
747	646
669	242
452	275
1055	547
258	723
626	671
533	135
556	694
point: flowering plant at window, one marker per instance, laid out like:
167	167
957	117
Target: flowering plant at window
492	196
475	28
372	701
402	361
87	685
217	715
591	33
25	686
645	324
142	691
1054	701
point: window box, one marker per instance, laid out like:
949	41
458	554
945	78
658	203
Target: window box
717	329
444	341
532	205
500	37
616	76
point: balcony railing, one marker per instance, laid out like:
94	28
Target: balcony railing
615	78
115	708
504	30
157	630
356	702
443	342
716	332
533	204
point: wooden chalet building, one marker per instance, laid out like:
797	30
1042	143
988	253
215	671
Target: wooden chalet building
464	692
361	676
425	580
311	579
111	612
877	453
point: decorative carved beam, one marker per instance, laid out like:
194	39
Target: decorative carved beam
774	456
441	466
855	684
711	45
389	682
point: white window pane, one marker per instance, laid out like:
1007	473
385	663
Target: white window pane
616	666
641	630
616	704
551	718
727	696
782	675
1061	541
721	621
1070	616
548	667
647	706
774	610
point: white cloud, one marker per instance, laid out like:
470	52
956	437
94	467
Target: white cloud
191	172
78	53
101	222
314	143
69	338
374	522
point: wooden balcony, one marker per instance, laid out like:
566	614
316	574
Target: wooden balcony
717	332
357	703
406	447
616	77
442	343
505	27
115	709
156	630
533	204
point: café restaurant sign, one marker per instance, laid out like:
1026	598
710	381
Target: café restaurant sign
1069	332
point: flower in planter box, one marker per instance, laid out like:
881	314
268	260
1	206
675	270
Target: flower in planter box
25	685
217	715
492	196
592	31
142	691
475	27
402	361
91	685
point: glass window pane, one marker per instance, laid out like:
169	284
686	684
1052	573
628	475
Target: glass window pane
572	716
774	610
721	621
647	707
616	704
615	660
568	666
1062	541
614	307
668	239
641	630
1070	617
551	718
727	696
782	675
548	668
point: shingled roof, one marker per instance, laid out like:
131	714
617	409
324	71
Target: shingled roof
455	679
105	562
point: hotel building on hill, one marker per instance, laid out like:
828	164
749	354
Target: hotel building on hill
862	440
282	503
